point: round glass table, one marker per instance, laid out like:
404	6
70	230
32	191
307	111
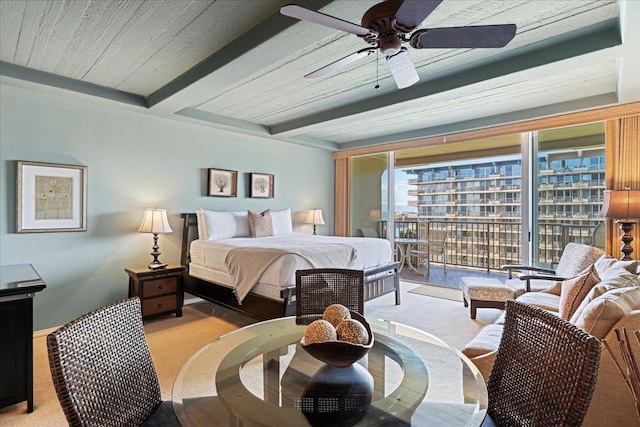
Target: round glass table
260	376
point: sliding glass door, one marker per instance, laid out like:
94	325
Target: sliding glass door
569	181
513	199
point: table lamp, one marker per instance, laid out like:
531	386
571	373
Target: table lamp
624	206
155	221
314	216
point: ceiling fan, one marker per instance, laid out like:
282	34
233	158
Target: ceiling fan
389	25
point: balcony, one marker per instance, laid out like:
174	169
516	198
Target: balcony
488	245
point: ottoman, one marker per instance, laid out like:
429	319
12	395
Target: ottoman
482	292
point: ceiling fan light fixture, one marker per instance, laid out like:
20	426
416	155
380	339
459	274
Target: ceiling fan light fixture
402	69
390	45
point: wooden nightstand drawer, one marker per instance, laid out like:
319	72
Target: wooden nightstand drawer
160	291
165	285
159	305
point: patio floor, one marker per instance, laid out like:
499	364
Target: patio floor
450	279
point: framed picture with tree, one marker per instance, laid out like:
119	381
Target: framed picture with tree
262	185
222	183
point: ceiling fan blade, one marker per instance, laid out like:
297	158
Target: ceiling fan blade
327	69
314	17
402	69
483	36
411	13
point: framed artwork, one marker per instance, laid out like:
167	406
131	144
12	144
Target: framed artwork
261	185
50	197
222	183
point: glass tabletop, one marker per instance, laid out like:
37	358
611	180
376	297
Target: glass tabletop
260	376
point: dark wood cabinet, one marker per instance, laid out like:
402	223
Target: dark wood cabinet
160	291
18	285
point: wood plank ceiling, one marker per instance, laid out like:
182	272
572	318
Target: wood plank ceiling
239	65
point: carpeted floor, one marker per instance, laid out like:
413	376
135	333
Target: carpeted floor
172	341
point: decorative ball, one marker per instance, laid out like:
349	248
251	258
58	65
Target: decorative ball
352	331
319	331
336	313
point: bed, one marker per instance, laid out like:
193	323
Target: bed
273	295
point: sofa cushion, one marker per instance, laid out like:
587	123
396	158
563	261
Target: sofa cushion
485	341
599	316
574	290
543	300
607	262
595	292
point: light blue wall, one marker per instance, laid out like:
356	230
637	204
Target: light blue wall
135	161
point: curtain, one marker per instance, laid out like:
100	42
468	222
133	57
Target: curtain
342	217
622	171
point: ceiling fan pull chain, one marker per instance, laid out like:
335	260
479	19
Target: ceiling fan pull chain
377	86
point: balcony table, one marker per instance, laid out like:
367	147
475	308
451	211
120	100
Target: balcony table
259	375
404	246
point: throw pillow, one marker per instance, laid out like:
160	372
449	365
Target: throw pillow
261	224
574	290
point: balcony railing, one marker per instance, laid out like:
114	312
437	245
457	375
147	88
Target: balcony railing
489	245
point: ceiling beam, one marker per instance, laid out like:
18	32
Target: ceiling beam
179	92
33	76
598	37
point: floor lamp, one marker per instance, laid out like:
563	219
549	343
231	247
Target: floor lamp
624	206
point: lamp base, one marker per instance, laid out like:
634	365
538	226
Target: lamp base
626	238
153	266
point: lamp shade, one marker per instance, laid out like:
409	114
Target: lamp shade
155	221
621	204
314	216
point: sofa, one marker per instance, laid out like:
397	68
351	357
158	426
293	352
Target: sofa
603	297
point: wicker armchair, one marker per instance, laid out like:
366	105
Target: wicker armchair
544	373
102	370
316	289
575	258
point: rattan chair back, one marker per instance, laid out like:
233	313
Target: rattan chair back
102	369
316	289
545	370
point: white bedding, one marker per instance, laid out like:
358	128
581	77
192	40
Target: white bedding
208	258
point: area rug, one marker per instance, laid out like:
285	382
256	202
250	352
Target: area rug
437	292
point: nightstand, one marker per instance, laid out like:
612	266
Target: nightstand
160	291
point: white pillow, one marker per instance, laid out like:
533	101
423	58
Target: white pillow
202	226
606	262
226	225
282	222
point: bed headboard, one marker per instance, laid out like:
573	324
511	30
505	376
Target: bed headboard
189	234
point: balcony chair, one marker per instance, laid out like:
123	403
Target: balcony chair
598	236
316	289
575	258
434	244
544	373
366	232
102	370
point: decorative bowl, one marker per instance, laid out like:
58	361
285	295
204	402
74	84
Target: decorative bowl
340	354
